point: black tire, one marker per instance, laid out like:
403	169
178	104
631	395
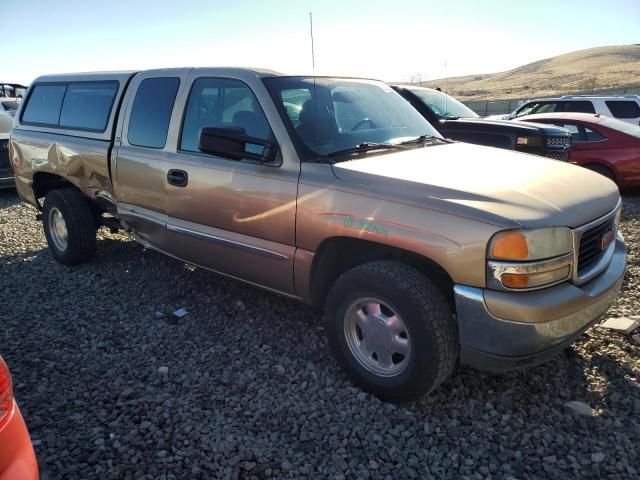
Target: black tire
425	313
602	170
80	226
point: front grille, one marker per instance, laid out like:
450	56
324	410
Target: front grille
556	155
557	148
559	142
590	249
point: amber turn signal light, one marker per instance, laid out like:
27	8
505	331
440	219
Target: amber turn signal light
510	245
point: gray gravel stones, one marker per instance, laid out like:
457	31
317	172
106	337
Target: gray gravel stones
252	391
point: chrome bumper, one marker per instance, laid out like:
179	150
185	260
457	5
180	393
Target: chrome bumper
505	330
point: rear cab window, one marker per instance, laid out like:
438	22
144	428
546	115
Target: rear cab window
623	108
151	112
71	105
87	106
44	105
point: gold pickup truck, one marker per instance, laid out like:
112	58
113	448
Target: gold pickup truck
421	252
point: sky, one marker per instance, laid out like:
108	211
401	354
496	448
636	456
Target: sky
392	40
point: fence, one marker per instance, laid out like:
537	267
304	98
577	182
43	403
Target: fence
500	107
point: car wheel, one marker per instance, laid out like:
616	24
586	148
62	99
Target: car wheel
69	226
391	330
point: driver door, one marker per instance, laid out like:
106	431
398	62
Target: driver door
236	217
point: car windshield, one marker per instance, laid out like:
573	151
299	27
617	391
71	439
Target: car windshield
332	115
442	104
620	126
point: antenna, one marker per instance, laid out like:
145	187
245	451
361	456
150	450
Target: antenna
313	56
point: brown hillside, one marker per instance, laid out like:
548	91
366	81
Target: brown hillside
581	71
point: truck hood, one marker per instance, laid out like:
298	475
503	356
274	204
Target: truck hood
487	184
504	126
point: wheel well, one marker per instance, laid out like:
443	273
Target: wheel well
44	182
338	255
600	168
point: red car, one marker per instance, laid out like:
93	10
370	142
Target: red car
17	459
603	144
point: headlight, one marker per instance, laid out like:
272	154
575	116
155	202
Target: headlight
525	245
529	259
529	141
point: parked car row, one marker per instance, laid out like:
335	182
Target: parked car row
458	122
598	141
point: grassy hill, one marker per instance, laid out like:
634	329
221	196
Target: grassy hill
587	70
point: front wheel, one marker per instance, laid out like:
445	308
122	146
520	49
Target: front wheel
391	330
69	226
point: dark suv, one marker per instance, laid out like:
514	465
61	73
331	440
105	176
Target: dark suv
456	121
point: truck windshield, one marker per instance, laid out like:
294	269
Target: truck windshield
442	104
330	115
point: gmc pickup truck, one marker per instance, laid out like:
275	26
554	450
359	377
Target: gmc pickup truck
421	252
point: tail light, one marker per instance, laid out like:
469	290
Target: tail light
6	394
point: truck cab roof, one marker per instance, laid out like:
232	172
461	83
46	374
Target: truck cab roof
125	74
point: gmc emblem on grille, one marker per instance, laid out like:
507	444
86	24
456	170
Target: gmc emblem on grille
608	237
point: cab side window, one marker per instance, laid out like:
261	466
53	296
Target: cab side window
222	103
151	112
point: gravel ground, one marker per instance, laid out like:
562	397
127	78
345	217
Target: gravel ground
251	390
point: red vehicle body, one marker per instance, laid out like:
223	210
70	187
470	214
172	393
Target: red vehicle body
17	458
606	145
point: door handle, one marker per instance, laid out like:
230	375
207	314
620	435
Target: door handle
179	178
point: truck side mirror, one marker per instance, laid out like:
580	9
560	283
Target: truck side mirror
232	143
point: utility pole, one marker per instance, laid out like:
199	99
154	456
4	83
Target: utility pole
313	56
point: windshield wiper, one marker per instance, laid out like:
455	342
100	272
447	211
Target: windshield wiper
423	139
367	147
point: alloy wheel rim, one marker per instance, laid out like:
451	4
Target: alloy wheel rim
58	229
377	337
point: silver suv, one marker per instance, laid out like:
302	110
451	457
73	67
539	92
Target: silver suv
626	108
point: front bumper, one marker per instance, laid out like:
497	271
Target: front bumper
540	323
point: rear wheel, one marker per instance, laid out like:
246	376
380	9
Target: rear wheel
69	226
391	330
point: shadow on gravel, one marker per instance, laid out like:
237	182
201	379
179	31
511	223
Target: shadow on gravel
8	196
